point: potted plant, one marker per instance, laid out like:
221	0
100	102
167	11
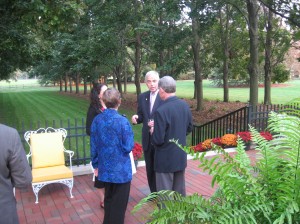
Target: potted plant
198	148
217	141
246	137
137	152
229	140
267	135
207	144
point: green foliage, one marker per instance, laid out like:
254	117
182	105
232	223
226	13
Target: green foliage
267	192
288	9
26	27
281	74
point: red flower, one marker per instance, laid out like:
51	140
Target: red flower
217	141
198	148
267	135
245	136
137	151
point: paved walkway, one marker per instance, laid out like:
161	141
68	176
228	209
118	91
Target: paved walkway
56	207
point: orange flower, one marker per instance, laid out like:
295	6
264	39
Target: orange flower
206	144
229	140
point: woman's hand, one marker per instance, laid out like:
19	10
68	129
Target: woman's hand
96	172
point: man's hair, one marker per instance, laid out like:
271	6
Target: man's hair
111	98
168	84
153	73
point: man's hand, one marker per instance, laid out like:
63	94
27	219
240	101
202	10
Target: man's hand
151	126
134	119
151	130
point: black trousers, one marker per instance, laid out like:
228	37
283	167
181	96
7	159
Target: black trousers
149	160
115	202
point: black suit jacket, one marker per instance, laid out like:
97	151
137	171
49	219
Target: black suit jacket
143	111
172	120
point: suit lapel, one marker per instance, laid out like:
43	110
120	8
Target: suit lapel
148	102
156	103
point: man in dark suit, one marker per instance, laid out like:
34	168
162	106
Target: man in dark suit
14	172
172	120
147	100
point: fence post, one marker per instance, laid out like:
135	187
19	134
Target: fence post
250	114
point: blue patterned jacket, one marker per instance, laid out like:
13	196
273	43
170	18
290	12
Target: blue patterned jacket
112	140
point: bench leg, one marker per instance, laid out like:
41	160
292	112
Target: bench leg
36	188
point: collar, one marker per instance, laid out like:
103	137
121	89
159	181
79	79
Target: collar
154	94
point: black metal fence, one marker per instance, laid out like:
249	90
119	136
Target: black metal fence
239	120
236	121
77	140
229	123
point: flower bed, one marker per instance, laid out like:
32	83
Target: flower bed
228	140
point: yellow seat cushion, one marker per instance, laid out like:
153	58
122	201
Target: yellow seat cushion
47	150
51	173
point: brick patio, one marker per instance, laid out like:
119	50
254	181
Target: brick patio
55	206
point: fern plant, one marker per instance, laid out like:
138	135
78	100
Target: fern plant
267	192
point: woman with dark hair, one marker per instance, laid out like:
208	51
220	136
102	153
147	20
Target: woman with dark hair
96	107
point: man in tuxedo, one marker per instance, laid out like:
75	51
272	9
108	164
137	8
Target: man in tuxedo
14	172
172	120
148	102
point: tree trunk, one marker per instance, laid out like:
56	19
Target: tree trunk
84	86
66	82
197	65
60	84
125	79
225	40
267	67
161	63
114	80
137	64
138	52
195	92
70	83
161	53
118	71
252	8
77	82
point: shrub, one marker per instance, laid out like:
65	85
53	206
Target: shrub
281	74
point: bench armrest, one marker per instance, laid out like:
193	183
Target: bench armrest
71	153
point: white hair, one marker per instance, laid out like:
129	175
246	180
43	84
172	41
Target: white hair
152	73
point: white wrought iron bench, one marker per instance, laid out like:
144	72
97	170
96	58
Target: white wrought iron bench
48	159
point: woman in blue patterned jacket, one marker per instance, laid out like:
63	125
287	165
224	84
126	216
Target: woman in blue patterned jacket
112	140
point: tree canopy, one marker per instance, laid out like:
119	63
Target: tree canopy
85	39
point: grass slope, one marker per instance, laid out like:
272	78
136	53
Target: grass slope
24	101
39	106
33	107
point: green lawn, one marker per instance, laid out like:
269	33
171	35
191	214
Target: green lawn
25	101
279	95
17	107
184	89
